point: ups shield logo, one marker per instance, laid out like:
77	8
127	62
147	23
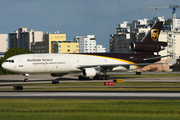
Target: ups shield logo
154	34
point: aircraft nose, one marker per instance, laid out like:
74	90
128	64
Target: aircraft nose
4	65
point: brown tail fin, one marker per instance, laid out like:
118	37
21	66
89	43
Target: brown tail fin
153	34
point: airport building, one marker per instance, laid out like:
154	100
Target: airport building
23	38
4	42
87	44
55	43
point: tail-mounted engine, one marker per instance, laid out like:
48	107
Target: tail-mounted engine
148	47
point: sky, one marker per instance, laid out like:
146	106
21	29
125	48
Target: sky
78	17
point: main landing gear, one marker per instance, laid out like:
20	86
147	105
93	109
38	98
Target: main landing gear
97	77
101	77
26	77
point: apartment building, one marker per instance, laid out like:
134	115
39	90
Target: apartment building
65	47
23	38
87	44
4	42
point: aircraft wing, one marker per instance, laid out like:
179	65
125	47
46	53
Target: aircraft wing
139	65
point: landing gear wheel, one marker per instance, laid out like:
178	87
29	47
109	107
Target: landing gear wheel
26	77
107	77
80	77
83	78
26	80
97	77
103	77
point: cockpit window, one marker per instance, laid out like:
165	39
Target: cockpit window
11	61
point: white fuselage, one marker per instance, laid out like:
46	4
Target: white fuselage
58	63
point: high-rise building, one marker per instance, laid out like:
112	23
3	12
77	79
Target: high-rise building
23	38
13	40
119	43
87	44
4	42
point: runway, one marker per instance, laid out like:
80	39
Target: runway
7	80
160	95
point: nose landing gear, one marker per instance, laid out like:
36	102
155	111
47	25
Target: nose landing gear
26	77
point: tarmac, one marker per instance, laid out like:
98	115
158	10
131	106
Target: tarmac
167	95
8	81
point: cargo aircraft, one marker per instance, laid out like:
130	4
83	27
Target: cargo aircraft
91	65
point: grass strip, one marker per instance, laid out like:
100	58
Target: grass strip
89	109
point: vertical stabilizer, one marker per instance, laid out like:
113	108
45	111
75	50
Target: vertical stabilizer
149	43
153	34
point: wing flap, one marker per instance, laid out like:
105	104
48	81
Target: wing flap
139	65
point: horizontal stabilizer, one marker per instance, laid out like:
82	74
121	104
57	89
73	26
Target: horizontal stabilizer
114	65
154	58
173	61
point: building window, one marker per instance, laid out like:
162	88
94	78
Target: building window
68	46
59	50
59	46
68	50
